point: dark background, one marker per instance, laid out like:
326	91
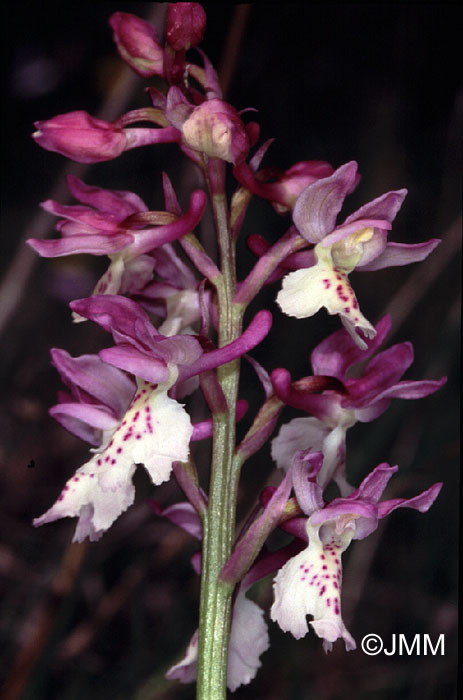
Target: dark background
377	83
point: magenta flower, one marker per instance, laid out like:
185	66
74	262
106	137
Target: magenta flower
108	224
100	395
155	430
86	139
138	44
360	242
363	398
286	186
310	582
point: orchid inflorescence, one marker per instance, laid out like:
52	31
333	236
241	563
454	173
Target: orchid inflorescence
176	320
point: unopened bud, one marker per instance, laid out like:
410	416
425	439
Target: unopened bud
81	137
216	129
185	25
138	44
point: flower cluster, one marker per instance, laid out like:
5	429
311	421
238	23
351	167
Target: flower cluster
175	318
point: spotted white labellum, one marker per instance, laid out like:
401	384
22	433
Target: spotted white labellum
310	584
304	292
155	431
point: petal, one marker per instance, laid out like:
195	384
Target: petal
384	207
318	205
338	352
248	640
305	291
396	254
310	584
185	670
422	502
118	203
110	282
108	385
96	416
120	316
381	373
125	357
94	243
155	432
299	434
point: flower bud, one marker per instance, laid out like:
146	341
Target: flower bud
137	43
216	129
80	137
185	25
294	180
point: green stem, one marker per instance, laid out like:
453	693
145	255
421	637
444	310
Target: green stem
219	522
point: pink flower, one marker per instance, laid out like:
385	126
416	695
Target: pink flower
138	44
334	411
287	186
360	242
113	223
86	139
310	582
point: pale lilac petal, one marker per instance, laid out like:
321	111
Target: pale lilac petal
382	372
106	383
151	369
98	417
338	352
178	349
345	230
422	502
372	487
297	435
412	390
81	429
172	269
120	316
248	640
318	205
118	203
305	467
185	670
359	516
334	453
136	274
396	254
95	244
384	207
185	516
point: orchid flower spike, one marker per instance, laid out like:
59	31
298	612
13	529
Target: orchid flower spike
360	242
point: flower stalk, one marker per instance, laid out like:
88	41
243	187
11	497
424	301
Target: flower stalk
219	523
